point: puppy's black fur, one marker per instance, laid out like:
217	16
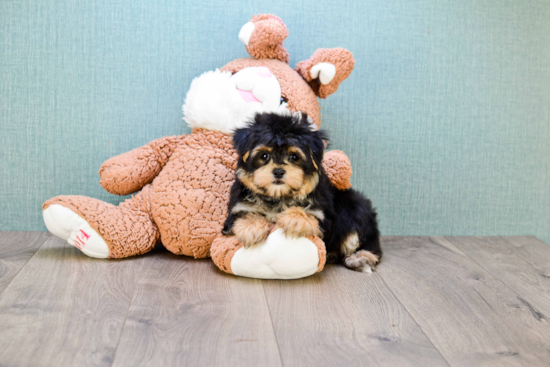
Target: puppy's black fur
346	219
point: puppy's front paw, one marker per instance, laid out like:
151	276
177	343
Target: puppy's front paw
252	229
362	260
296	223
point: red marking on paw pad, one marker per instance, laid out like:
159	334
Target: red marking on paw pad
80	241
85	235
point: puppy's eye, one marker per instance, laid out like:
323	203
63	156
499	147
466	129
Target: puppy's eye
283	100
293	157
264	157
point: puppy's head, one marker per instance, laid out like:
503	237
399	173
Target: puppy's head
280	155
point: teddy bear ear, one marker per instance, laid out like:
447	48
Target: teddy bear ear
326	69
263	37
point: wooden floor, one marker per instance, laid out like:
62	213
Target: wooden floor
434	301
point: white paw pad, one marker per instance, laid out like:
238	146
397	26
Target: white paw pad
278	257
67	225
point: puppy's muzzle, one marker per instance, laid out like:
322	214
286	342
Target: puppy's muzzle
278	173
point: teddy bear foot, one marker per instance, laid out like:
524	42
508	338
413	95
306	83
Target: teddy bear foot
278	257
69	226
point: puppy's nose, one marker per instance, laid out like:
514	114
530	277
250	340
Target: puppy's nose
279	172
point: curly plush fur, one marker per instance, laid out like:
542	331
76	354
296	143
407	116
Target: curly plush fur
182	183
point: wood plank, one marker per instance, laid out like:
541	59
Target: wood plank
469	315
188	313
532	250
16	248
344	318
504	258
66	309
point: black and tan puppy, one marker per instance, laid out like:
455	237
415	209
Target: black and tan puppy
280	180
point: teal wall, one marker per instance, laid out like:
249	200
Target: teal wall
446	117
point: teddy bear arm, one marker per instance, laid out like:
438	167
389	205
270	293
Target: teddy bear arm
129	172
338	169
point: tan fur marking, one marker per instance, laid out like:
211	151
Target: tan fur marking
296	223
261	148
252	229
318	213
262	181
297	151
308	186
362	260
294	176
295	183
245	156
314	164
243	207
350	244
245	178
263	176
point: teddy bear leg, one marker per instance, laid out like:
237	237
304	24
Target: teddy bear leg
222	251
69	226
279	257
100	229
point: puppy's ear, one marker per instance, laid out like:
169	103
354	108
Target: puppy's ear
241	141
326	69
317	146
314	162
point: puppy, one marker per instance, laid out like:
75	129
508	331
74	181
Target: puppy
280	180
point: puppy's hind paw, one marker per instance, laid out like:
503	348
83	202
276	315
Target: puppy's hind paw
362	260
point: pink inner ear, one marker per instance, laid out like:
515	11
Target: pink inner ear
264	72
248	96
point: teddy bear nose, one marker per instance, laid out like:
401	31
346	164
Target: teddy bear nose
279	172
264	72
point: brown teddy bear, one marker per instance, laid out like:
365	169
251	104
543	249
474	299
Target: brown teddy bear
184	181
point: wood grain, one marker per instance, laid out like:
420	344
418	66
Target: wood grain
188	313
433	301
532	250
505	258
468	314
66	309
16	248
344	318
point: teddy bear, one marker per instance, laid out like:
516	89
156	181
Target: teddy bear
182	183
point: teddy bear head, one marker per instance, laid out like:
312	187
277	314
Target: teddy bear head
227	98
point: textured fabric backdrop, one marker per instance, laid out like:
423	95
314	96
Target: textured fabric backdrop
446	117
